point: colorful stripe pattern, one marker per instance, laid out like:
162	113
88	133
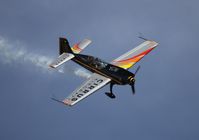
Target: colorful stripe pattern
130	58
76	48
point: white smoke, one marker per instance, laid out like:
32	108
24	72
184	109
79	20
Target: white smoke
15	52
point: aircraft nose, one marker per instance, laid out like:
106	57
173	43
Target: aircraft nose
131	80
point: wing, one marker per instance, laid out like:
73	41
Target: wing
129	59
92	84
77	48
61	59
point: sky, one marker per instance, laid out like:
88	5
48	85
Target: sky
166	102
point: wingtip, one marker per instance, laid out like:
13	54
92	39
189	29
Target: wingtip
51	66
62	102
67	102
89	40
143	38
57	100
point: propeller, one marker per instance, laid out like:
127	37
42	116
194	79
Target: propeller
133	87
133	80
138	68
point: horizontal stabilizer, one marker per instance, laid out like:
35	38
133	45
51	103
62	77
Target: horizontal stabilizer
61	59
77	48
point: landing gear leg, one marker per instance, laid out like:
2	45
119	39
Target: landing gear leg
110	94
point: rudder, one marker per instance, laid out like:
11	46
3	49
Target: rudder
64	46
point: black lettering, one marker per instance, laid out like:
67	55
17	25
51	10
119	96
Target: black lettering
73	99
100	81
95	84
91	87
85	91
79	95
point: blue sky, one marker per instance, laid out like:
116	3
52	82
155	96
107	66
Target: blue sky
166	102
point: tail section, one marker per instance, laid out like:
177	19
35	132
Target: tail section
64	46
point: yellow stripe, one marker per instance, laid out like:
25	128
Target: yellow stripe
75	51
126	66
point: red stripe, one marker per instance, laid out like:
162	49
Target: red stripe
143	53
77	47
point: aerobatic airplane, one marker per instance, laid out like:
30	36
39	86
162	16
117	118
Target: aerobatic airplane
104	73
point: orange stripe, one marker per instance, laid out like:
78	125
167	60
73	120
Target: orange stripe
131	60
76	47
143	53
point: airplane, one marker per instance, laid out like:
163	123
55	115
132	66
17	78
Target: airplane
103	73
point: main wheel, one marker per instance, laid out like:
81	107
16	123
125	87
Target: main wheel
111	95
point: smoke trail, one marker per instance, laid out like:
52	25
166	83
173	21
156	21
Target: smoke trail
11	52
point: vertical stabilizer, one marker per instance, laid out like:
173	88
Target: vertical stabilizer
64	46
